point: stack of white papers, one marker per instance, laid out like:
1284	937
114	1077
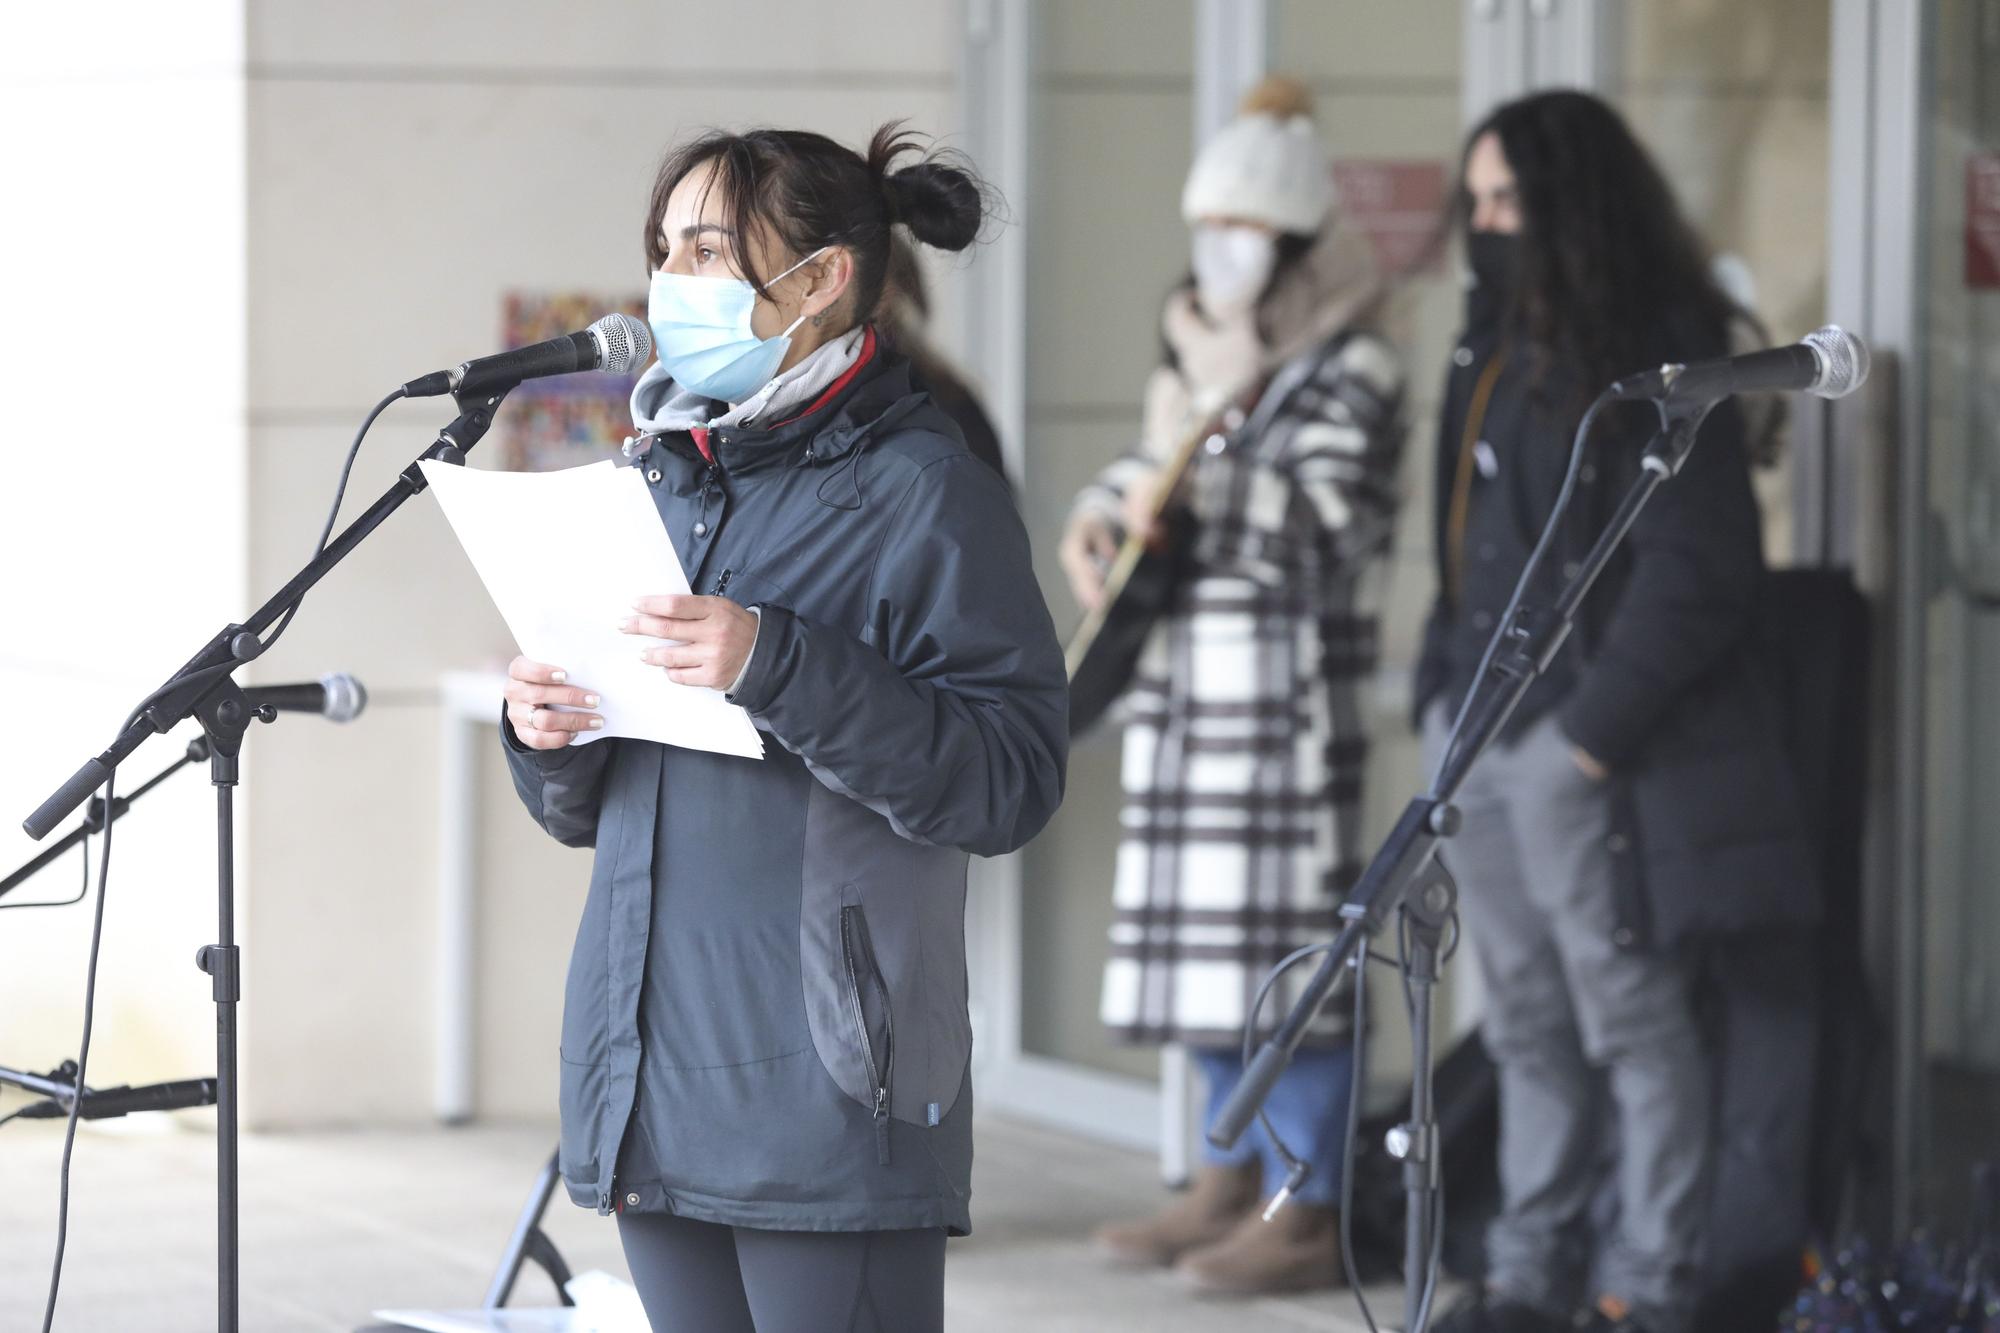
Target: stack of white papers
564	555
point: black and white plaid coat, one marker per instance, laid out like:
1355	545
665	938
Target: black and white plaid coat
1244	745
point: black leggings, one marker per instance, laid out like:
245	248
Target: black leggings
698	1277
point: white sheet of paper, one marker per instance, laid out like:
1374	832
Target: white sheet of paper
485	1321
563	555
604	1304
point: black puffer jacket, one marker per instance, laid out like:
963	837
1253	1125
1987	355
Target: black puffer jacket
1668	680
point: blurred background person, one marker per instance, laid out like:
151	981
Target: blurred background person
1639	795
905	315
1244	748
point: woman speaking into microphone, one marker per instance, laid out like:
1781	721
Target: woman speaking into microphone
765	1039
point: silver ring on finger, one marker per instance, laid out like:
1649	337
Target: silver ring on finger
535	718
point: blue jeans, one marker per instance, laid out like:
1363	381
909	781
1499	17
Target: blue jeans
1307	1106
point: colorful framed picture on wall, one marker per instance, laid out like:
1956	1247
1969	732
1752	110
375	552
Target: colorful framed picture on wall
563	420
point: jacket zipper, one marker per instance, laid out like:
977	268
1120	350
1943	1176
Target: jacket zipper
708	480
722	584
878	1076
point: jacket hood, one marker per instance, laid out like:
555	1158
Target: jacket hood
879	395
659	404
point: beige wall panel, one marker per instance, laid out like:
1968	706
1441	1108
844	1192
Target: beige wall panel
338	977
1107	242
387	219
1066	914
1063	457
1108	40
1414	40
530	896
1412	584
1776	45
736	49
1066	872
1414	122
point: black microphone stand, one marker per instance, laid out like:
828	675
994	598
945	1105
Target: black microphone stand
1404	874
204	689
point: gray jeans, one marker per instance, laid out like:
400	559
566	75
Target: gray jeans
1568	1019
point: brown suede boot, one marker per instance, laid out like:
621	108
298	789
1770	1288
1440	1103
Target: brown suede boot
1298	1250
1215	1202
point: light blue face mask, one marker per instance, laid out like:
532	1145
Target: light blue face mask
701	330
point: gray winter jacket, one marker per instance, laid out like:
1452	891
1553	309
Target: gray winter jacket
765	1023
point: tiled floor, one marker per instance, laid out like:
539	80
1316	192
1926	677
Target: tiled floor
338	1224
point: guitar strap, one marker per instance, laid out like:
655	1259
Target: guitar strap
1461	486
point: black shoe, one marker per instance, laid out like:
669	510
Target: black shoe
1488	1312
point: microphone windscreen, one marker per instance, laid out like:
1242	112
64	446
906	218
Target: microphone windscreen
1843	361
624	342
344	696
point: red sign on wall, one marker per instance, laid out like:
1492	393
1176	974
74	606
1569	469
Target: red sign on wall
1982	220
1395	204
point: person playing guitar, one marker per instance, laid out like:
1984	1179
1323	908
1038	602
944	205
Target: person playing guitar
1255	514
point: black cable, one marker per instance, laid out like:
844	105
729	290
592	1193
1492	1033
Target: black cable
81	893
333	513
347	468
82	1055
1295	1170
1420	1050
1356	1085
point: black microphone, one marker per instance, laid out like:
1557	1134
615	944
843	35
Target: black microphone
616	343
107	1103
1829	362
338	697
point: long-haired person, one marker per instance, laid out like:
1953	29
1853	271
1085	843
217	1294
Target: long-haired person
1244	745
1639	795
765	1040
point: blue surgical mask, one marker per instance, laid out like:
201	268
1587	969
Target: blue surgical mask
701	330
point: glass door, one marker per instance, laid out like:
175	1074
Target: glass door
1957	386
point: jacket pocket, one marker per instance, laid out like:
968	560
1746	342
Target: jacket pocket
869	1014
581	1102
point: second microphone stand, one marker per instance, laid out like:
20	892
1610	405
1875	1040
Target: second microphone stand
1404	875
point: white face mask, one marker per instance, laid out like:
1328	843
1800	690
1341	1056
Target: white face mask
1231	265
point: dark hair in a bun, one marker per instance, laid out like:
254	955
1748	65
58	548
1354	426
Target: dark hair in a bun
939	203
807	192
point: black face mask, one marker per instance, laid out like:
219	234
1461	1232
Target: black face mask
1495	258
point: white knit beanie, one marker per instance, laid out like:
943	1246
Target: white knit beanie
1267	165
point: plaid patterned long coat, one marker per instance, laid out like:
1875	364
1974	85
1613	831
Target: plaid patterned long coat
1244	745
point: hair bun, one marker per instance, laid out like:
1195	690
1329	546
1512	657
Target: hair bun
940	204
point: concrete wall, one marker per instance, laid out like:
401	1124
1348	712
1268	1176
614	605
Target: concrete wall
407	165
121	127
